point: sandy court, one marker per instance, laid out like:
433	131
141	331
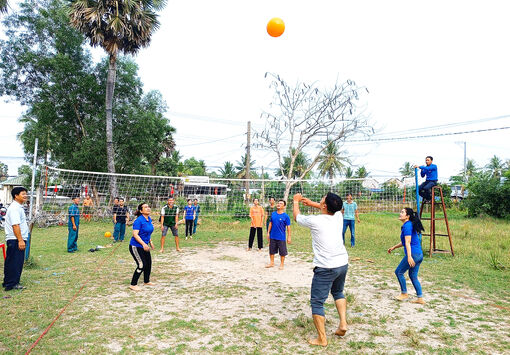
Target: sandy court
224	298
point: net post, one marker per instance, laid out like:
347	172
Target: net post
417	191
31	207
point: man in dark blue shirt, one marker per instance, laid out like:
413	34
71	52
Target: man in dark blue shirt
430	171
73	225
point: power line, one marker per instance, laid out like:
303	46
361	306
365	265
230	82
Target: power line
447	125
213	141
427	136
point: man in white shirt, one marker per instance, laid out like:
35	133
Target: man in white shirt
16	235
330	260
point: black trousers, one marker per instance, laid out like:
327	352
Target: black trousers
189	227
252	237
425	189
13	266
143	262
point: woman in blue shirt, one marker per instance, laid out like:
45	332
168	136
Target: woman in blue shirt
413	257
139	246
189	216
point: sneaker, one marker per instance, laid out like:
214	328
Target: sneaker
186	238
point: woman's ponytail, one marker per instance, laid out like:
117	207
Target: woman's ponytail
415	220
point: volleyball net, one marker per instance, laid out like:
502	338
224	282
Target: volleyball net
216	196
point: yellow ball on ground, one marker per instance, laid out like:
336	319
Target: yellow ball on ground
107	234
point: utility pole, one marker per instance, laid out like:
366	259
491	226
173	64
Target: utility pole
465	162
247	174
262	196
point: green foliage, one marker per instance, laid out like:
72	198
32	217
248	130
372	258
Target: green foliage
240	168
45	66
488	195
332	161
301	163
407	170
4	171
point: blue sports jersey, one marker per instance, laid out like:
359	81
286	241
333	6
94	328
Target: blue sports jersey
144	228
188	212
407	229
279	225
429	171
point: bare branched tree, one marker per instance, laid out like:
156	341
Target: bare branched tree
303	116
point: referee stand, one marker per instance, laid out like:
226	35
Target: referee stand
436	191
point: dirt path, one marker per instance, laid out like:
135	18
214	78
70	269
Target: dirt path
224	300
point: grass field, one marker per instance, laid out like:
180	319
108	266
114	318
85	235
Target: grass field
217	298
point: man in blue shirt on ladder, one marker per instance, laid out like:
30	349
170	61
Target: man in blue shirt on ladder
430	171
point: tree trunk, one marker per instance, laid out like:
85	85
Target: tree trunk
110	87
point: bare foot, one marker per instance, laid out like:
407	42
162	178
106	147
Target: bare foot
419	300
179	250
161	250
259	249
341	331
281	267
248	249
149	284
135	288
316	341
402	297
269	265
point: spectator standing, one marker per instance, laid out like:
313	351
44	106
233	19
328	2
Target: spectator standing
350	212
73	225
120	218
197	213
257	216
16	235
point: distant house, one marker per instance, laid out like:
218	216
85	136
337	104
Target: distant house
370	184
394	182
7	186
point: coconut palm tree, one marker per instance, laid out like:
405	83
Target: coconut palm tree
495	166
407	170
349	173
362	172
228	171
332	161
471	169
241	167
118	26
301	163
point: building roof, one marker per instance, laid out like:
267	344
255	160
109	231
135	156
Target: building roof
14	181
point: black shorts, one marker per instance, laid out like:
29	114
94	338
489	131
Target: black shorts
278	246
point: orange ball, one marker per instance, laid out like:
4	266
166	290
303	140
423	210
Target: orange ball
275	27
107	234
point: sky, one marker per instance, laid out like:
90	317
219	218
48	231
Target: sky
441	65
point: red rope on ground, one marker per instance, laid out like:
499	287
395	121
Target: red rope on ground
70	302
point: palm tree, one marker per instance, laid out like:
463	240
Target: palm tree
4	4
228	171
331	162
241	167
349	173
301	163
495	166
362	172
470	169
116	26
407	170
